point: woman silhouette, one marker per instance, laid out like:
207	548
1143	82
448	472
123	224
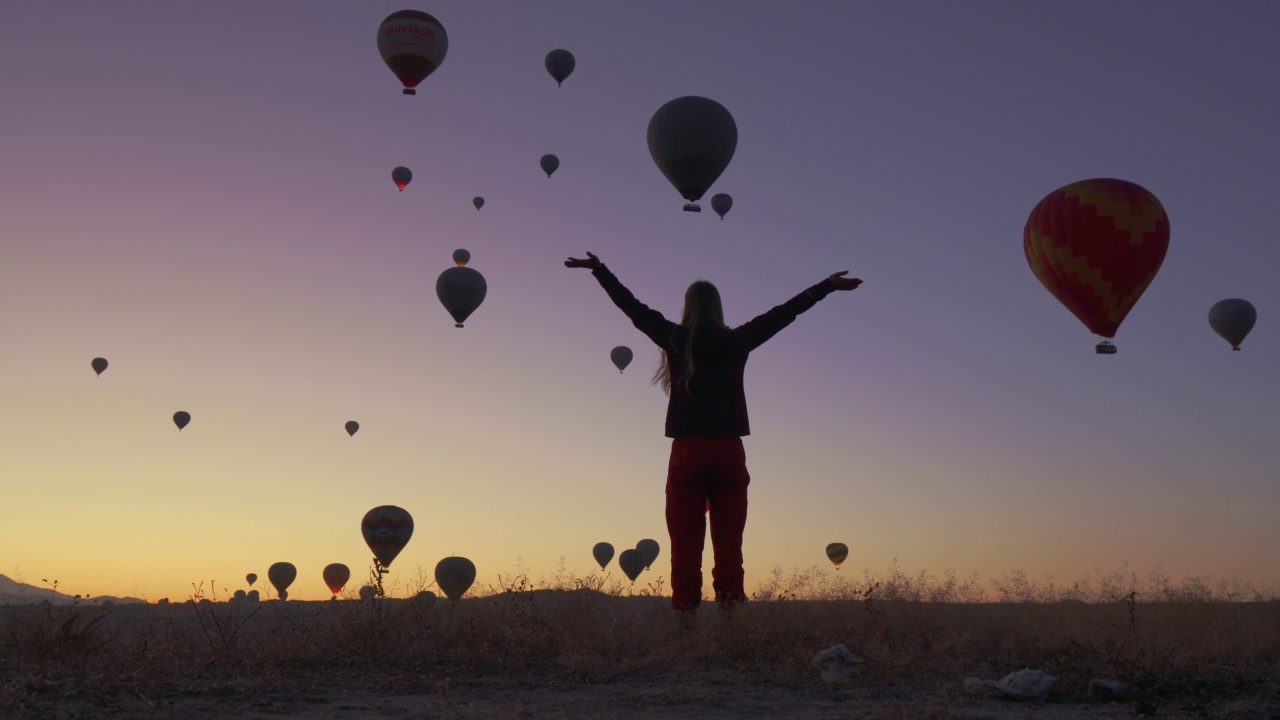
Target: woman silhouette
701	371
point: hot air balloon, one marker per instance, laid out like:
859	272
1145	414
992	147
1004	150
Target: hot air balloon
461	290
1233	319
721	202
281	575
549	164
1096	245
412	44
401	177
368	593
632	564
648	550
837	553
425	599
461	257
692	140
251	578
603	553
335	576
386	531
99	364
181	418
454	575
352	426
478	202
621	357
560	64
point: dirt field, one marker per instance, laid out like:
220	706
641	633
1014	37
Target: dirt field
586	654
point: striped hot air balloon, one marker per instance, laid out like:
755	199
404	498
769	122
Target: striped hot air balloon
1096	245
837	553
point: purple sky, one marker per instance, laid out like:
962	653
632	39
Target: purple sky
201	193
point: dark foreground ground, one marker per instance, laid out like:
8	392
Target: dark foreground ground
584	654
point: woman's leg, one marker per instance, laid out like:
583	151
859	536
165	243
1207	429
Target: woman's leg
686	523
728	497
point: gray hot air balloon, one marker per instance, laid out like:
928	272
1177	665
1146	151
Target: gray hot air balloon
425	599
352	426
621	357
837	553
721	202
632	564
181	418
1233	319
692	139
413	44
461	290
560	64
648	550
99	364
461	257
549	164
454	575
478	202
603	553
251	578
401	177
282	575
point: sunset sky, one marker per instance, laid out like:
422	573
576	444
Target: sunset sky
201	194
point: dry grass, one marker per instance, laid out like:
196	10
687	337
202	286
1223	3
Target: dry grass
1183	642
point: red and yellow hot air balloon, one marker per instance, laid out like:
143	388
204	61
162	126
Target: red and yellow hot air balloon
1096	245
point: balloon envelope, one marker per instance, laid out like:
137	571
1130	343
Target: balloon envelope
603	553
461	290
386	531
692	139
837	553
1233	319
99	364
549	164
281	575
251	578
413	44
560	64
352	426
1096	245
621	357
454	575
478	202
181	418
648	550
401	177
632	564
335	576
721	202
461	257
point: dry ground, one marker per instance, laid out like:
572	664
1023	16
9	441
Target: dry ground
525	652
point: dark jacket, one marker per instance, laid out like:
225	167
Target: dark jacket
714	404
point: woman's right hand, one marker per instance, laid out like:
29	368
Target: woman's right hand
843	283
590	261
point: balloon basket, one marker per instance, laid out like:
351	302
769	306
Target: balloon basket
458	325
692	207
1105	348
410	91
1236	349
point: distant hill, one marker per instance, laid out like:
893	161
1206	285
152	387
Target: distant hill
13	592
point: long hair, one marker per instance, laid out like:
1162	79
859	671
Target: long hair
701	306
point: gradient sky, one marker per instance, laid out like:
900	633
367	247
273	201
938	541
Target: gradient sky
201	193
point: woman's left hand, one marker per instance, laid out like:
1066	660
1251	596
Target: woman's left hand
590	261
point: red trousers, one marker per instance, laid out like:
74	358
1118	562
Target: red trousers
706	476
